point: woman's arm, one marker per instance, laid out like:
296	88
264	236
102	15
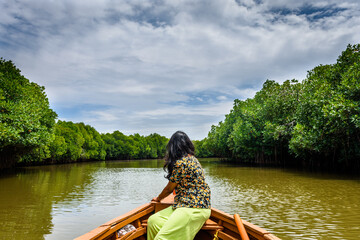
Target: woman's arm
169	188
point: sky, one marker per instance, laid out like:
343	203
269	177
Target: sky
141	66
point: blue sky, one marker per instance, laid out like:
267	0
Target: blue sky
159	66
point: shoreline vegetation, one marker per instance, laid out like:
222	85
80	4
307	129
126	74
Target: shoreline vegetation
312	124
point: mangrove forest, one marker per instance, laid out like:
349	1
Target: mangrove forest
314	122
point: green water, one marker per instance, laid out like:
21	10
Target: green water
65	201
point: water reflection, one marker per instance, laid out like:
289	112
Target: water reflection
27	197
65	201
293	205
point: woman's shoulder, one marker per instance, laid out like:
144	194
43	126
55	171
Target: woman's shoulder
185	160
180	162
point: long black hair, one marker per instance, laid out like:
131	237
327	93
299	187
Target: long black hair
178	146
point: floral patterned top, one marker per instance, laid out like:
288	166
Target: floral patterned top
192	191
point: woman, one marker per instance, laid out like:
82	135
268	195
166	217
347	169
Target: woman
192	200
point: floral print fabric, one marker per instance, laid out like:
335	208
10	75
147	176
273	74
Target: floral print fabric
192	191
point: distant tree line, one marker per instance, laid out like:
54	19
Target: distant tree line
79	142
29	131
315	122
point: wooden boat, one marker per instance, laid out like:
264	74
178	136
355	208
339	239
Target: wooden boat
220	225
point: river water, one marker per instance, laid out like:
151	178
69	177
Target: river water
65	201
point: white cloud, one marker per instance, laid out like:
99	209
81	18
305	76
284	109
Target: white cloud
143	59
203	110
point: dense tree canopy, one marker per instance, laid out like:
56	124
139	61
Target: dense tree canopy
316	122
120	146
78	142
328	115
26	120
29	133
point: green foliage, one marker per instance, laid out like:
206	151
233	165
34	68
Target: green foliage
202	149
71	142
329	109
77	141
318	119
120	146
28	132
258	127
26	119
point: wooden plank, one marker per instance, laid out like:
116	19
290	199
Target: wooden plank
271	237
226	236
217	227
93	234
251	229
127	221
223	235
126	235
144	223
211	225
166	202
139	232
231	227
133	234
97	232
221	215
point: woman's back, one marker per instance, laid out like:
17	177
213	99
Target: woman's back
192	191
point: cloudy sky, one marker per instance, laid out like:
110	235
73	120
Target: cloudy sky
142	66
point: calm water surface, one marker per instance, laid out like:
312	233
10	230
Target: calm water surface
65	201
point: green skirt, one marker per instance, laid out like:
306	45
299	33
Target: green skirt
179	224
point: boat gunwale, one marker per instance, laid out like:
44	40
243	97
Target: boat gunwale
113	225
106	227
252	228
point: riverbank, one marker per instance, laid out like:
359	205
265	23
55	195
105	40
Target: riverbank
50	162
299	165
